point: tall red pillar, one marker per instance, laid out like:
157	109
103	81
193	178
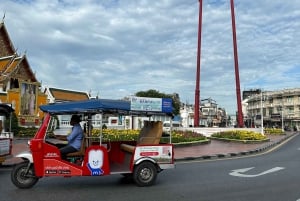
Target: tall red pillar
197	90
240	120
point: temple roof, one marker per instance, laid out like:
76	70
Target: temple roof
5	62
11	64
7	47
63	95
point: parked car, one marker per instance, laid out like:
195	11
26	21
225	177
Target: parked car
167	125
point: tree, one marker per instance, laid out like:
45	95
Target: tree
152	93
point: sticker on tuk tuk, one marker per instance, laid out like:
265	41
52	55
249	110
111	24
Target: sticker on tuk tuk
149	153
162	154
56	167
95	162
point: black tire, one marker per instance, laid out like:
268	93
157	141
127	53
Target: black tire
145	174
20	178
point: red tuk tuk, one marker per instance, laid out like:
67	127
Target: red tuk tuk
141	159
6	136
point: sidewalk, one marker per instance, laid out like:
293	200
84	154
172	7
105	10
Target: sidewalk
221	149
214	149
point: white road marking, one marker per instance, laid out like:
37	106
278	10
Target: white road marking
239	172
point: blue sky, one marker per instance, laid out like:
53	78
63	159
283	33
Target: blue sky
117	48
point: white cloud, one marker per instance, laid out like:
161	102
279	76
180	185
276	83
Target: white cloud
116	48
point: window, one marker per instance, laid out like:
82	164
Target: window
289	99
271	111
279	101
264	111
290	110
271	100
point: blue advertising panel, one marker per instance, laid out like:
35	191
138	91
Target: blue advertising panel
167	105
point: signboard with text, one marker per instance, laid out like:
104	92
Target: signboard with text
151	104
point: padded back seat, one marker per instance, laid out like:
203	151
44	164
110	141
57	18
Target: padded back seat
149	135
80	152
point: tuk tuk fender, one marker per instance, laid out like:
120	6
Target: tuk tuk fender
141	160
159	165
26	155
145	159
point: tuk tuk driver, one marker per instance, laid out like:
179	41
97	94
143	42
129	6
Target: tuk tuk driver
74	138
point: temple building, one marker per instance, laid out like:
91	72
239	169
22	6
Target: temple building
20	88
18	84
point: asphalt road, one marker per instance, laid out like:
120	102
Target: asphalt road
273	176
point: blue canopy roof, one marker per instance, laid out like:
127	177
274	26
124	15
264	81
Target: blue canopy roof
98	106
88	106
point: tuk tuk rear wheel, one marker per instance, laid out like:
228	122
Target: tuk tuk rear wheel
23	176
145	174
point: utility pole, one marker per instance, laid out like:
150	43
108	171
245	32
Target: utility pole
262	113
282	105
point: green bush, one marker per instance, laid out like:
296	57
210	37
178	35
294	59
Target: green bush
116	134
275	131
127	135
185	136
27	132
177	136
132	135
239	135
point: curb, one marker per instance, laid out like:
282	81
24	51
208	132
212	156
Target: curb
237	154
195	143
240	141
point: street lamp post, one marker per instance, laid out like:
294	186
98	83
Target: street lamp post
282	126
262	113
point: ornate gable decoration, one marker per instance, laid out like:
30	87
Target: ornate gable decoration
6	46
12	66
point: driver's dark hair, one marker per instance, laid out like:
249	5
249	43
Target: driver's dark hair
75	118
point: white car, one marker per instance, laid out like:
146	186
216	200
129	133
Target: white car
175	125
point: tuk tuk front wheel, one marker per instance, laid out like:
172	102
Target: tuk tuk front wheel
23	175
145	174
